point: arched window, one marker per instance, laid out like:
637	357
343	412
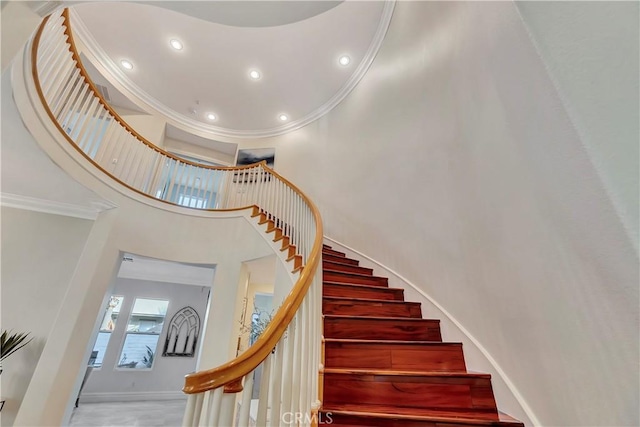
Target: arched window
182	334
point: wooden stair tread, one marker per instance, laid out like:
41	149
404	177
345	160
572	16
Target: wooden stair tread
395	373
421	414
334	252
360	285
391	342
349	273
340	260
365	318
382	301
337	266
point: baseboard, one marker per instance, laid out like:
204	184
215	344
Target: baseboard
132	396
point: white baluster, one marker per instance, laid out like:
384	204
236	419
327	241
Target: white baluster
66	95
295	367
136	160
98	134
88	124
174	183
189	412
60	81
275	386
152	165
69	105
263	398
245	408
124	159
227	409
215	401
197	411
118	145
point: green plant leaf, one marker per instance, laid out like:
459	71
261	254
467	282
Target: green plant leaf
10	343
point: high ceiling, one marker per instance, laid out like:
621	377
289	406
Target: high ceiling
294	45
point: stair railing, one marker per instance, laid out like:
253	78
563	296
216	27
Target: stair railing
288	351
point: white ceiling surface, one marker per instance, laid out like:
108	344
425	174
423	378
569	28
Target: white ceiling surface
261	270
248	13
158	270
298	61
117	99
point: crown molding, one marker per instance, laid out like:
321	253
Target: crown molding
18	201
117	77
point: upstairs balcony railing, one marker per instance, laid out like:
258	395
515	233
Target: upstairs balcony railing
288	351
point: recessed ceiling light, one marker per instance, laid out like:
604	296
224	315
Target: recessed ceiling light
254	74
283	117
211	116
344	60
176	44
127	64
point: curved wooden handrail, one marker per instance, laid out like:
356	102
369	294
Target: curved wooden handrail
250	359
116	116
105	104
236	369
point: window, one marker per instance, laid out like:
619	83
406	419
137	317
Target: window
106	328
143	330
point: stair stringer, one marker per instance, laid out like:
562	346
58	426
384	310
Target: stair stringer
477	356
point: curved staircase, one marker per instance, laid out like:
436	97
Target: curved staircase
385	365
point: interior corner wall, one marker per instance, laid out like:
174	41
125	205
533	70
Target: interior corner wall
454	162
39	255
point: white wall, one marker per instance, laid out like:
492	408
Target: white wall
193	150
591	51
455	163
166	378
152	128
39	254
19	21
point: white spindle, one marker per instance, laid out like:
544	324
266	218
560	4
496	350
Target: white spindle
227	409
153	165
175	171
89	125
295	366
138	163
68	103
83	110
275	387
124	159
263	398
60	81
245	406
114	154
189	413
66	94
197	412
97	135
287	366
49	62
215	401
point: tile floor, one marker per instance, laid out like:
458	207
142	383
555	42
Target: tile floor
129	414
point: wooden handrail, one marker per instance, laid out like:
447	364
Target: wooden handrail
236	369
116	116
96	93
249	360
